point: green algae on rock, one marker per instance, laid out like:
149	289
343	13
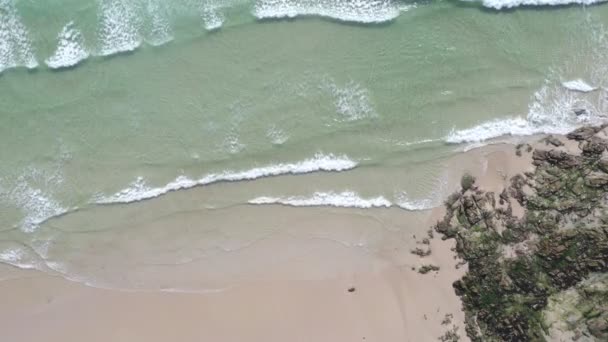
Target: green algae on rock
526	274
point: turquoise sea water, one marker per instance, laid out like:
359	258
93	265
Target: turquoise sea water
114	102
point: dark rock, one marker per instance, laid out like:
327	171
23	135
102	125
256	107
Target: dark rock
551	140
466	182
428	268
518	148
451	201
579	112
564	241
596	179
351	289
593	146
554	157
598	327
421	252
491	199
583	133
603	165
504	197
540	155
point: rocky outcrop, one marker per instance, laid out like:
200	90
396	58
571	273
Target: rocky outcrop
564	233
551	140
555	157
584	133
593	146
581	310
596	179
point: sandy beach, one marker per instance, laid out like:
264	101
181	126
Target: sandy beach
303	170
325	290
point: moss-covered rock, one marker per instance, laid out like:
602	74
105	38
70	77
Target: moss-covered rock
581	311
513	296
467	181
428	268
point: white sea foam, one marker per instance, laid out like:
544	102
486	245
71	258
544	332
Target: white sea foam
500	4
139	190
362	11
579	85
552	111
18	256
70	50
119	27
36	205
213	19
276	135
417	142
352	101
15	47
432	199
11	255
34	193
346	199
559	107
232	144
160	31
404	202
491	129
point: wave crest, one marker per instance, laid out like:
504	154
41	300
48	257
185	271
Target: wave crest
362	11
160	31
558	107
15	47
346	199
139	190
70	48
119	27
502	4
555	110
579	85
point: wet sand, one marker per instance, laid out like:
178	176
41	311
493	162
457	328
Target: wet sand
307	279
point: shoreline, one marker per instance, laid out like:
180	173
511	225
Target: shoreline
309	292
304	170
536	251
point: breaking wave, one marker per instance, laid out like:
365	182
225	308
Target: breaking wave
123	26
15	47
118	27
159	26
362	11
404	202
346	199
500	4
579	85
19	255
558	107
139	190
37	206
33	196
213	19
554	111
70	50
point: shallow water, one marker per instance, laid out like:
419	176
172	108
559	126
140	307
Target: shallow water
119	101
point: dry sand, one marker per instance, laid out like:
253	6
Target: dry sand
302	298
